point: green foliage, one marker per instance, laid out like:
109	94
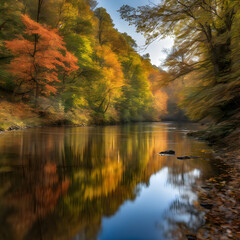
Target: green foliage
10	23
137	100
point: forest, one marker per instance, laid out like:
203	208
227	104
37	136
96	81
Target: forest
63	62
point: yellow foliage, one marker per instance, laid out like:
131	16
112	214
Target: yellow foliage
111	67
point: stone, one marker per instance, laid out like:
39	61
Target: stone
168	152
183	158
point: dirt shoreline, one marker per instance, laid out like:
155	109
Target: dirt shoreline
17	128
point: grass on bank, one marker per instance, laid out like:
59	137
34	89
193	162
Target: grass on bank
19	115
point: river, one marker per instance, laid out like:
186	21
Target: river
101	183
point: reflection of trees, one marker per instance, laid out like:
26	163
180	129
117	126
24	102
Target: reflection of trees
182	175
181	217
105	180
34	184
32	196
184	207
96	169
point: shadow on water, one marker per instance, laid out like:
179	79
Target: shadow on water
101	182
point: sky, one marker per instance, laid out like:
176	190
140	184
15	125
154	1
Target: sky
155	50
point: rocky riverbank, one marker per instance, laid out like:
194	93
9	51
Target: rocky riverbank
222	193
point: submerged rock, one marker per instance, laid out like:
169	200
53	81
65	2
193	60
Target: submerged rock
206	188
191	237
168	152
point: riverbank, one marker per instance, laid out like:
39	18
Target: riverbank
222	193
15	116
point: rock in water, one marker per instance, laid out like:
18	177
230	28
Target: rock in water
184	158
168	152
187	157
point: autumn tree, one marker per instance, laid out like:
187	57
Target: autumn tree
136	103
39	60
113	76
77	25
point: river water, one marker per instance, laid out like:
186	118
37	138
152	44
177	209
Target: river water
103	183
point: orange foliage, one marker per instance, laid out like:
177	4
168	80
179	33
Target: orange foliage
158	79
38	58
161	101
48	193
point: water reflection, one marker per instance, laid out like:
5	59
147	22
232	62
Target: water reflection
99	182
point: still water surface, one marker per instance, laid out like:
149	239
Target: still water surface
103	183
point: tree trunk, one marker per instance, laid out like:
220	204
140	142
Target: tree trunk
109	100
36	94
221	58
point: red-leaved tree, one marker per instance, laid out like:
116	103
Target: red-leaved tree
40	57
